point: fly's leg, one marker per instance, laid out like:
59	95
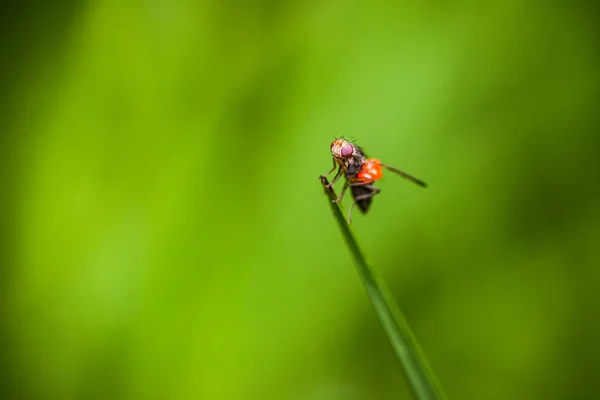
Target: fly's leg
335	178
374	191
330	171
339	198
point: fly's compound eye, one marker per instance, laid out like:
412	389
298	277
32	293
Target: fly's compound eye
347	150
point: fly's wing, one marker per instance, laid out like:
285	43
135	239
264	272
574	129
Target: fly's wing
360	151
361	190
352	167
405	175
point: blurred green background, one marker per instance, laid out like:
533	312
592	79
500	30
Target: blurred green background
166	235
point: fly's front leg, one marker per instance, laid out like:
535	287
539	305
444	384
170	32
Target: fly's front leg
346	185
336	177
374	191
330	171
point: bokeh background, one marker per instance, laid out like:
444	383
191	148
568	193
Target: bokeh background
165	235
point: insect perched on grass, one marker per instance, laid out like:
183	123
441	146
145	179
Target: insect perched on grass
360	173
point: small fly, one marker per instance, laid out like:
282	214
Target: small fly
360	173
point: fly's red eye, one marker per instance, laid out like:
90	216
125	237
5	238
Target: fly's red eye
347	150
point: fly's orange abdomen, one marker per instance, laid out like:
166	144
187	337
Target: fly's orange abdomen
370	171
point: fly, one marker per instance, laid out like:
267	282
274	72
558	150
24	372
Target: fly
360	173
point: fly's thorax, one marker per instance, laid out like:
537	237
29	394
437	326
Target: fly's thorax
352	167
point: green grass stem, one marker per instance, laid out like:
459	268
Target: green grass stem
416	369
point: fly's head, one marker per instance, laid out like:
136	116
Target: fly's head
348	155
342	149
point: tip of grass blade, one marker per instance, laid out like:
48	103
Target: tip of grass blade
327	187
406	349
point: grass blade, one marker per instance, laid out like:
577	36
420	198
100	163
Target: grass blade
420	376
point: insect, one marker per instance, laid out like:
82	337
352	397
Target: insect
360	173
